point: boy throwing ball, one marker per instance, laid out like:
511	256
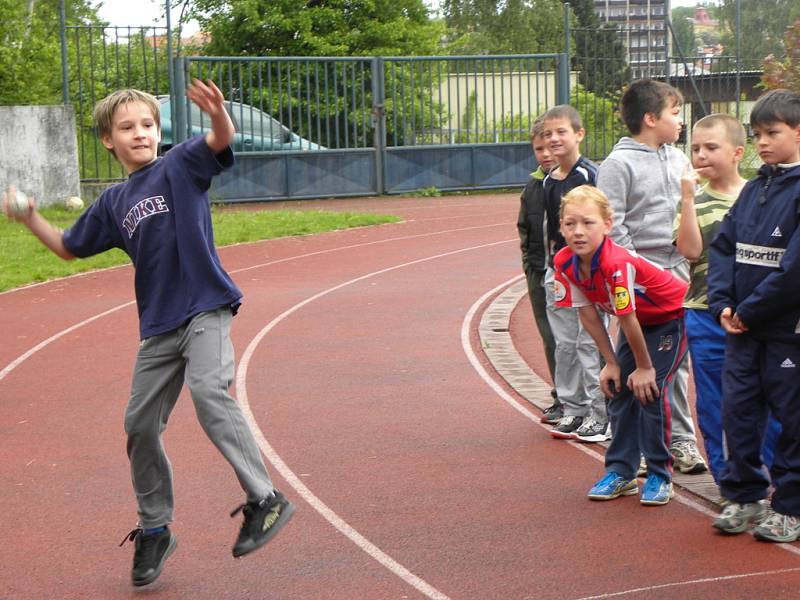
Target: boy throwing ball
161	218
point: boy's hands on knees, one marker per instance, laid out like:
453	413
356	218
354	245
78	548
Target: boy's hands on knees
642	382
9	201
610	379
731	322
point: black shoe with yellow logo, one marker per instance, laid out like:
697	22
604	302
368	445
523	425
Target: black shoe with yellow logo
262	520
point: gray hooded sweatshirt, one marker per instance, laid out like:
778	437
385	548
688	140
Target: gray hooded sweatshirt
644	187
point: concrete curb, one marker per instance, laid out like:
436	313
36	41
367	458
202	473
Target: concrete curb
498	347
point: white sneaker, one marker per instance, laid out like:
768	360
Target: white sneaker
592	431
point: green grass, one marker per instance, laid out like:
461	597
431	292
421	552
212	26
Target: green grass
24	260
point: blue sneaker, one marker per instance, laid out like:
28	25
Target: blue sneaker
613	486
656	491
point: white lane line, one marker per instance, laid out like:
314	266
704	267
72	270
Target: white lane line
690	582
473	359
22	358
293	480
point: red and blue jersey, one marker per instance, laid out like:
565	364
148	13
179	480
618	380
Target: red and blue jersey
620	282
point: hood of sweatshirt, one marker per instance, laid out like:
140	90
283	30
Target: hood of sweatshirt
643	185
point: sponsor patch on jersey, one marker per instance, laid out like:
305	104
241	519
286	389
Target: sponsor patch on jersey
762	256
622	298
559	291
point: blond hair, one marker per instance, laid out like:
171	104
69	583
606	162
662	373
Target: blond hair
734	131
104	110
587	194
537	129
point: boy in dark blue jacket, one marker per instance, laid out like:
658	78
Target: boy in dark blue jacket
754	286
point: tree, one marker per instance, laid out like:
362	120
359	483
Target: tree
784	72
599	54
511	27
317	27
682	19
30	55
763	23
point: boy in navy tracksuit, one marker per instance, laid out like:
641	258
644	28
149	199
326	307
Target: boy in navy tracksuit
754	286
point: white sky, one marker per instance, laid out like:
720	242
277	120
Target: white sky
149	12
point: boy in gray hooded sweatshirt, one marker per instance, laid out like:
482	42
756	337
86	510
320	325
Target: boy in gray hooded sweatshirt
642	179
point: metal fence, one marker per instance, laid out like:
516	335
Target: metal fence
311	126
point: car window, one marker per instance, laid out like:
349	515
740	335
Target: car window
253	122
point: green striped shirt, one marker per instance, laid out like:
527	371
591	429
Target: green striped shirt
710	206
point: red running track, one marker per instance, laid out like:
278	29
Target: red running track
412	476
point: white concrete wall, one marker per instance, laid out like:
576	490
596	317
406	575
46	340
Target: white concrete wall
39	152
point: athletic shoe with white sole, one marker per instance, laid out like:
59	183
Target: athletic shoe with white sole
656	491
553	413
613	485
736	518
778	528
686	458
568	425
592	431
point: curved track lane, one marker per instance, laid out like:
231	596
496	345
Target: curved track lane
359	367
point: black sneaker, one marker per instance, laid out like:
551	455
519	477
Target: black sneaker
553	413
150	554
566	427
262	520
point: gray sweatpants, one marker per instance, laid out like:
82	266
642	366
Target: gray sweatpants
682	424
201	354
577	373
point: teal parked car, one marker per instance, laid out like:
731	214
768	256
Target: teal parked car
256	131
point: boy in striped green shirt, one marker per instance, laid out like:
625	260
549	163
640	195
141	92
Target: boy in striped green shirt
717	148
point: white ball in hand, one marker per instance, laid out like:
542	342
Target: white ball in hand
17	202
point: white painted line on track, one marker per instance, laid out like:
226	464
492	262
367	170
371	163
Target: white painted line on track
490	381
285	471
690	582
23	357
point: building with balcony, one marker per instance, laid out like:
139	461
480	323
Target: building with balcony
642	23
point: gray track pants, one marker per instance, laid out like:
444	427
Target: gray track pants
682	424
577	373
201	354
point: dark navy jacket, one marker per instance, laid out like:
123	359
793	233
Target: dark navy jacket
582	172
754	262
531	224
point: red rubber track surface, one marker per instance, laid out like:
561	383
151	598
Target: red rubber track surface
356	376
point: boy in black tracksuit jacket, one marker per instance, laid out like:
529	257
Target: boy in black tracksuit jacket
754	290
531	225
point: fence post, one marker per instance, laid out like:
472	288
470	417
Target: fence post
563	62
62	15
180	127
379	122
562	76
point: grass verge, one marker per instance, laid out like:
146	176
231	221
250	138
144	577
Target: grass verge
23	259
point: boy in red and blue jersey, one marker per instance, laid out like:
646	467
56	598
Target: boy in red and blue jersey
593	272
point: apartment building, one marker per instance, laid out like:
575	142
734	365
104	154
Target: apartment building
643	25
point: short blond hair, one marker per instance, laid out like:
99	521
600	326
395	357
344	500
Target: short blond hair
537	129
587	194
734	131
104	110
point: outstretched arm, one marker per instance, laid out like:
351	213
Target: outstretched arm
210	100
52	237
